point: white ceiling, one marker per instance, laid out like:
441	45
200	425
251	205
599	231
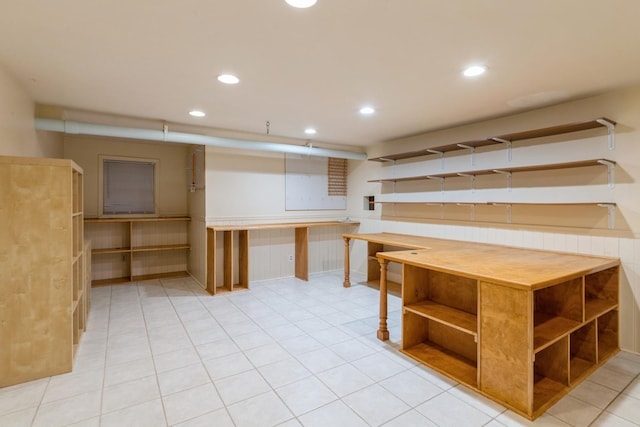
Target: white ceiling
158	59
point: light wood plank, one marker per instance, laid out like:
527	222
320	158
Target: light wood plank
457	319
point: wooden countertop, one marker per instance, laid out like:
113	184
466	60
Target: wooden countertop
527	269
519	268
235	227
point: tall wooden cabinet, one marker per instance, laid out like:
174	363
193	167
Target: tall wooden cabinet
43	292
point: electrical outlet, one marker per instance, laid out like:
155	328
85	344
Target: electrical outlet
290	257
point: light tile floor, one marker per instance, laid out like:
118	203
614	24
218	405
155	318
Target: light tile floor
286	353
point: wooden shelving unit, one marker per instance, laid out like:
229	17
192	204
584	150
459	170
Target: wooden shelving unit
129	249
401	201
43	289
522	327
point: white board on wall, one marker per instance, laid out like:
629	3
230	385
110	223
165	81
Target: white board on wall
307	184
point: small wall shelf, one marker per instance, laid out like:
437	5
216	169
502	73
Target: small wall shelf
610	164
610	206
506	139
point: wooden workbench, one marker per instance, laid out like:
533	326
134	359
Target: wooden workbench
301	251
520	326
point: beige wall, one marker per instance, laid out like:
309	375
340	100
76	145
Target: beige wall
17	134
622	106
173	177
249	187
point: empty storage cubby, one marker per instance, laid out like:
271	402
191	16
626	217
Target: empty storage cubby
601	292
607	335
440	321
557	310
444	348
582	351
551	373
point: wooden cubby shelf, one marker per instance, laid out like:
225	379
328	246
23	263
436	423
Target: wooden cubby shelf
130	249
45	297
522	327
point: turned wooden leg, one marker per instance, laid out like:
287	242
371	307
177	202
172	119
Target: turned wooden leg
347	281
383	332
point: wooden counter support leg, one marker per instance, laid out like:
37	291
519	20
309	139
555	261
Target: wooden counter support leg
243	258
302	253
347	281
383	332
228	260
211	261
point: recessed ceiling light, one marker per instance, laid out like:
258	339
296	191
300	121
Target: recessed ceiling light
228	79
301	4
367	110
310	131
474	70
196	113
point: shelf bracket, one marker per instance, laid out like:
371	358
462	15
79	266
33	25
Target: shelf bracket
394	173
508	174
610	130
508	207
504	141
473	180
441	181
440	153
611	213
473	152
611	172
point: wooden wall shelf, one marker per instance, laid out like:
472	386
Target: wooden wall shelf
509	170
132	237
503	139
541	196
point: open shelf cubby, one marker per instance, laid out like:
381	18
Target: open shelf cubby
551	373
557	311
440	323
448	350
607	335
582	352
601	292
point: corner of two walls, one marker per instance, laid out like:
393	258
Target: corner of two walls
18	136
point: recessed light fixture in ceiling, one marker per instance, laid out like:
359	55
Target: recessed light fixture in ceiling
310	131
301	4
228	79
197	113
474	70
367	110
